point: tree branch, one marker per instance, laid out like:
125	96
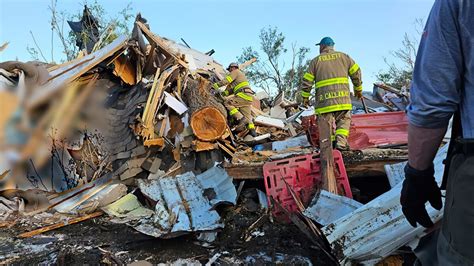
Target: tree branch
37	47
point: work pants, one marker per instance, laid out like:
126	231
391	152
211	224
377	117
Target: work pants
453	244
342	120
235	105
326	122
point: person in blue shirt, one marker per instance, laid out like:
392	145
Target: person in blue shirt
443	84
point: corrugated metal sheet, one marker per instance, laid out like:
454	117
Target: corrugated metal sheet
378	228
372	130
217	179
376	129
395	173
185	203
102	191
327	207
180	207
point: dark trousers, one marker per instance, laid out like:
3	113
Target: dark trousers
454	244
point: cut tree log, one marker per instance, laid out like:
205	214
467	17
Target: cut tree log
197	95
208	123
208	117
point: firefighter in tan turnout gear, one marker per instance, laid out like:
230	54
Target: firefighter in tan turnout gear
329	73
238	97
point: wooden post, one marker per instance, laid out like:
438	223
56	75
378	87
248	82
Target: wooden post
325	125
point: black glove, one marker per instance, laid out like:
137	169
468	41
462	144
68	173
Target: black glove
418	188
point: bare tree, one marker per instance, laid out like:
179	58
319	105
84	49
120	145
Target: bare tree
400	71
66	38
270	72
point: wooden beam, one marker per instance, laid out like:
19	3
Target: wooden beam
224	148
390	89
367	168
68	69
160	43
245	171
154	142
71	72
247	63
60	224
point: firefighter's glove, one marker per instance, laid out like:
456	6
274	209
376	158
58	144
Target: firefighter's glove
358	94
225	93
304	101
418	188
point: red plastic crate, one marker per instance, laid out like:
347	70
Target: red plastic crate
303	175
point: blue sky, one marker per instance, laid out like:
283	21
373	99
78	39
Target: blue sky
367	29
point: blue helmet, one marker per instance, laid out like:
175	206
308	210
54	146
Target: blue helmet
326	41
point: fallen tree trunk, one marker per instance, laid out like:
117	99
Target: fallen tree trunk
208	123
208	117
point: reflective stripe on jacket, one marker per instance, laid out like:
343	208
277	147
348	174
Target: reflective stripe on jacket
237	83
329	73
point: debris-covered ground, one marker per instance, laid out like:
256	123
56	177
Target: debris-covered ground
100	241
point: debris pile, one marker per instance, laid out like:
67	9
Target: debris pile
131	134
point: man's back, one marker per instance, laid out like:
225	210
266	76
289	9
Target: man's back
444	74
329	72
443	82
331	64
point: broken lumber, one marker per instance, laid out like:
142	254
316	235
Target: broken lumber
154	142
60	224
203	146
247	63
244	171
390	89
47	90
224	148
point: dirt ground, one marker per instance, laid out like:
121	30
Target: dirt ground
98	241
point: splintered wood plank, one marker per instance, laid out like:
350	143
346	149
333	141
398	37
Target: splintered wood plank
124	69
228	145
160	43
242	172
66	74
203	146
153	103
60	224
154	142
247	63
224	148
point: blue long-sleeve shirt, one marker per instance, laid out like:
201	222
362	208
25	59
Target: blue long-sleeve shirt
443	79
